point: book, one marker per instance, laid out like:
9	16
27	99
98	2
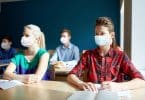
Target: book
101	95
6	84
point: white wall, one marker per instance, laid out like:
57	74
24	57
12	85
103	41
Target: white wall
122	25
138	33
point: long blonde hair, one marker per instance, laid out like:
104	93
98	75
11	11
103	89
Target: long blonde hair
38	34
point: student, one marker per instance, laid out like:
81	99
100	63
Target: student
6	52
67	54
30	65
105	64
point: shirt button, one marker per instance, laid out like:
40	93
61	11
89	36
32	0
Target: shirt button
102	78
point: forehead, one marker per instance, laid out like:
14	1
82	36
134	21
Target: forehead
101	29
65	34
27	31
5	40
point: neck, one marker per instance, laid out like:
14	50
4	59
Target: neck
103	50
6	49
66	45
32	50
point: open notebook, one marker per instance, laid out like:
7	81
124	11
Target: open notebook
6	84
101	95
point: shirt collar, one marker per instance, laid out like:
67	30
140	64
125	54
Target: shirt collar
70	46
109	53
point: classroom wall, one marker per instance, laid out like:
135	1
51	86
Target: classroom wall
138	35
53	15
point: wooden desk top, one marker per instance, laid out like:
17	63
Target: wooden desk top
1	65
62	70
45	90
51	90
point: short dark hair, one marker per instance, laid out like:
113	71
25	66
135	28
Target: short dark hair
66	30
9	38
105	21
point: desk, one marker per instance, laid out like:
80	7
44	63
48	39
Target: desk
1	65
60	74
50	90
63	71
45	90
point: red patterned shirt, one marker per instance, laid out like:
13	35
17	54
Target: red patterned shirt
111	67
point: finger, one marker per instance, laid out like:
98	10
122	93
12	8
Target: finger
86	87
93	87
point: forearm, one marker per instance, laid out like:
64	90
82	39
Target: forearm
9	76
12	76
28	78
133	84
73	79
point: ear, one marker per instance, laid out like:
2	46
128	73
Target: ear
38	39
69	37
10	43
112	35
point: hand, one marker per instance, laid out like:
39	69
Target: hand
112	86
87	86
28	79
59	64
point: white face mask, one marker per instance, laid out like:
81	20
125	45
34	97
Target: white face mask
27	41
103	40
5	46
63	40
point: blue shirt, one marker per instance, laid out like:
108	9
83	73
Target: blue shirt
6	55
69	53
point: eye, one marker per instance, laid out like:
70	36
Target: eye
103	33
26	35
100	33
96	34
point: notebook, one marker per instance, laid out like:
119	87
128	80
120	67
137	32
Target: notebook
6	84
101	95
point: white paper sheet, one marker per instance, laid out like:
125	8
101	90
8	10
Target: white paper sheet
102	95
6	84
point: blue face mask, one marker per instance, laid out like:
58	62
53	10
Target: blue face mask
103	40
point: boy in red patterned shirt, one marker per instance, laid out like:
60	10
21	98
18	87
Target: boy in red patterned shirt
106	64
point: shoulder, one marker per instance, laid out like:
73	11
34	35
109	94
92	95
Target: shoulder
13	50
19	56
74	46
20	53
42	51
87	53
43	54
118	52
59	47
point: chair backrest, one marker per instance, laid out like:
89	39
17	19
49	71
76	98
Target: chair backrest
51	52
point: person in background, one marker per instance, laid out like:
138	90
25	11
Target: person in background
6	52
30	65
67	54
106	63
